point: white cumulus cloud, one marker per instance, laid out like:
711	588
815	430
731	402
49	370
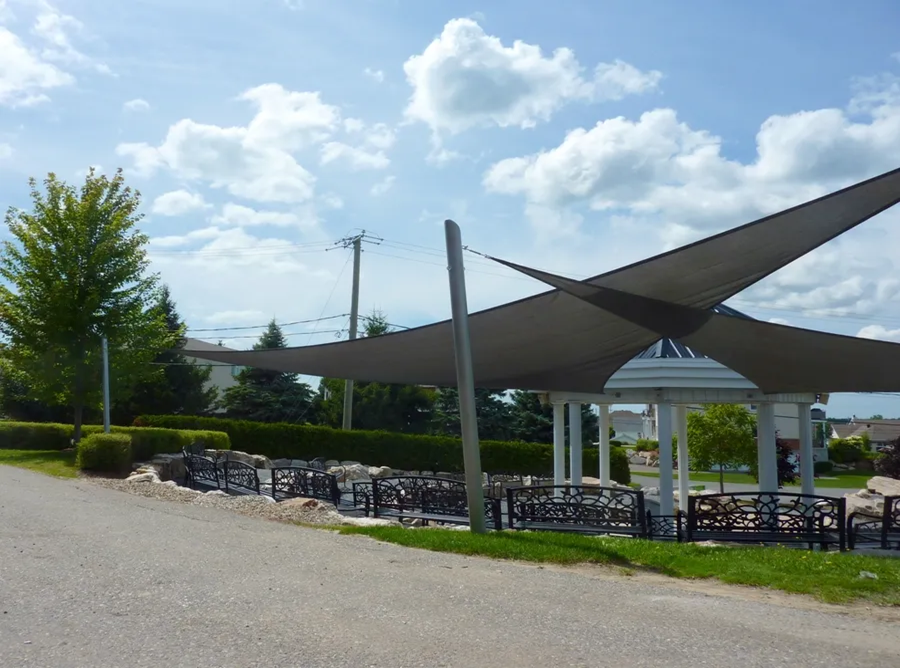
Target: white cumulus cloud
243	216
879	332
383	186
137	104
374	75
255	161
466	78
178	203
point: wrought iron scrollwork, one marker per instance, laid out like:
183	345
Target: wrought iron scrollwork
768	517
202	470
301	481
576	506
240	475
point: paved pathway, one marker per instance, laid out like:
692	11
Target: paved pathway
94	578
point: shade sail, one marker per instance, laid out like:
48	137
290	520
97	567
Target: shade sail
776	358
557	342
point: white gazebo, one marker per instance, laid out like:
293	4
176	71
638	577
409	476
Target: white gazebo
673	377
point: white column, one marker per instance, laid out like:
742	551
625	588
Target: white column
767	456
575	456
684	481
666	482
559	444
807	477
603	454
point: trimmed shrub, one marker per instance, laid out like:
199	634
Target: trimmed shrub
646	445
105	453
411	452
823	467
847	450
888	464
145	442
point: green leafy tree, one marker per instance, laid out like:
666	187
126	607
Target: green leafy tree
532	422
268	396
182	387
786	468
721	436
75	271
398	408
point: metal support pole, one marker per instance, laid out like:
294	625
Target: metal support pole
603	454
354	316
105	384
807	462
575	453
465	378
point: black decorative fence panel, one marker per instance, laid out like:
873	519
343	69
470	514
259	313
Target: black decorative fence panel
767	518
404	493
667	527
201	470
240	477
577	507
308	482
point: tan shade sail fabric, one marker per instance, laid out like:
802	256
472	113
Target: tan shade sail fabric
776	358
557	342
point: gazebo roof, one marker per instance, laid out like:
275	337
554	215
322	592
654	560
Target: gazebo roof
665	349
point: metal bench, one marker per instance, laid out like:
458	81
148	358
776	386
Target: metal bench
201	470
768	518
291	482
429	499
239	477
884	531
577	508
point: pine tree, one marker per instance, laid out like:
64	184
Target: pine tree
268	396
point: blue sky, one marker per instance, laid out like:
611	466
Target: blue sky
574	136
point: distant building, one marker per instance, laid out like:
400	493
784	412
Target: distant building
628	425
222	376
880	432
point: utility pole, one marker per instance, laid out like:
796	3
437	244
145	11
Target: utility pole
105	347
354	316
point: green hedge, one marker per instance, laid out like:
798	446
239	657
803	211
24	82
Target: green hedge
105	453
411	452
823	467
145	442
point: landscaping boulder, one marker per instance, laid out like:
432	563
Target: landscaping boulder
331	462
282	463
884	486
169	467
637	459
147	476
356	472
380	471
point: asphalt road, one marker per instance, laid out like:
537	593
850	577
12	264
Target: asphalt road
93	578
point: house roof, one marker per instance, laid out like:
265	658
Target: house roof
196	345
879	431
624	415
558	342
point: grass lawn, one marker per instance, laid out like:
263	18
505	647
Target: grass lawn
51	462
828	576
837	479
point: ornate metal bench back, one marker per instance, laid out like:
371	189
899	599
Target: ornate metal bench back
576	505
782	513
201	468
305	481
241	475
404	493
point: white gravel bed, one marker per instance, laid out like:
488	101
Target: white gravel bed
306	511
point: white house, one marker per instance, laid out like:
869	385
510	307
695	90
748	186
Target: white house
222	376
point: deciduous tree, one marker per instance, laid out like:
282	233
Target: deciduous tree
721	436
76	270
